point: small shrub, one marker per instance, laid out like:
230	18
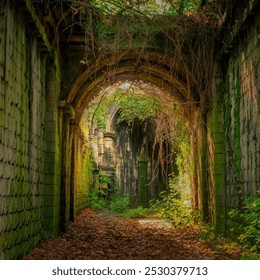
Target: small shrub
103	177
248	227
94	201
138	212
174	206
206	232
119	203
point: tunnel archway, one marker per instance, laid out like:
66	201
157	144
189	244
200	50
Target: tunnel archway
137	65
128	127
42	142
144	66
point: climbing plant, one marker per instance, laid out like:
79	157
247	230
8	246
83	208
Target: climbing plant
145	105
187	30
174	204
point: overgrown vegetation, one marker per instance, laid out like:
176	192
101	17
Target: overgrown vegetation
244	233
132	101
119	203
174	205
145	104
138	212
182	30
137	107
188	32
103	177
149	7
247	227
95	202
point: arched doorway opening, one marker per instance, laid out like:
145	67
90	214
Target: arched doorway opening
152	69
135	133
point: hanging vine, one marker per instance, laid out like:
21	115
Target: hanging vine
186	31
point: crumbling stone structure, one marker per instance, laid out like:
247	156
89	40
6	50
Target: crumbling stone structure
43	92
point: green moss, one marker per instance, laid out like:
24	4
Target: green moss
233	140
220	214
219	168
218	160
39	25
218	137
219	181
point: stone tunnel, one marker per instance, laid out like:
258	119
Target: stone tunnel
46	85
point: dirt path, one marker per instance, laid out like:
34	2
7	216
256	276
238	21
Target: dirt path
95	236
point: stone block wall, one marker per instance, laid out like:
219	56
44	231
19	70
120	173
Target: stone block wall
22	127
242	115
81	171
84	173
216	154
52	166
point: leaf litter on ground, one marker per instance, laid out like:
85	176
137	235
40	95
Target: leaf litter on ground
95	236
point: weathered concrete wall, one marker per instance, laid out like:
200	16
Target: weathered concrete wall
242	115
22	128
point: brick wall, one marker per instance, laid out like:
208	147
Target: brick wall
22	119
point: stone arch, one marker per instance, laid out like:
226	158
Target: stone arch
151	67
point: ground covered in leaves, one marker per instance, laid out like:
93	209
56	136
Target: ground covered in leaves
103	236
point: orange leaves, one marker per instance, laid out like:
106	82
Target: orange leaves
104	236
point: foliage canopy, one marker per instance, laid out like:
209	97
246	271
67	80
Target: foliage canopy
148	7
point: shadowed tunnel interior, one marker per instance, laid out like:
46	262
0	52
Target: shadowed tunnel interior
113	100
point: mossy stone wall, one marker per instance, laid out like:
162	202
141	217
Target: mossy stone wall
242	115
81	171
216	155
52	166
233	120
22	128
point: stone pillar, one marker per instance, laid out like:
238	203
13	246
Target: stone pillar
52	156
199	155
74	131
68	114
100	139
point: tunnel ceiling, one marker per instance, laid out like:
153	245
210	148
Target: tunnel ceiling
170	51
150	68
